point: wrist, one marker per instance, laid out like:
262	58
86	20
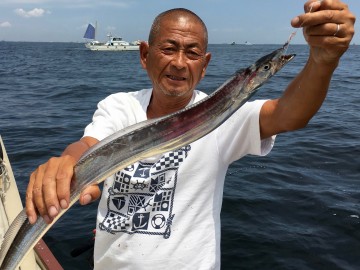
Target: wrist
322	67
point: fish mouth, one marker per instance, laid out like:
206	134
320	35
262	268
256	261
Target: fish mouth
277	56
287	57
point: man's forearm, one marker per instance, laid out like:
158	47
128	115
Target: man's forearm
305	94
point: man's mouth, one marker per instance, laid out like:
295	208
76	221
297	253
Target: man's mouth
176	78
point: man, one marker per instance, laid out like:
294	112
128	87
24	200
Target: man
164	212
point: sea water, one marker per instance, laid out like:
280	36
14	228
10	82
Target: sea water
297	208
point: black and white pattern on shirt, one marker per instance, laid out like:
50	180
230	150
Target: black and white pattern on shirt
142	196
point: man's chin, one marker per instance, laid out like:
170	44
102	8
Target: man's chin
175	92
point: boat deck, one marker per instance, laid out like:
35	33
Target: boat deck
40	258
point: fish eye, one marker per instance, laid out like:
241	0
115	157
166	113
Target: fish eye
266	67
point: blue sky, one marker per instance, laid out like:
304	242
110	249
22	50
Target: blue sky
258	22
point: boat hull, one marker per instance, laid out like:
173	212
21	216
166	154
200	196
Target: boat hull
112	47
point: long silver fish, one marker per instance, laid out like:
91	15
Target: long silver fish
144	140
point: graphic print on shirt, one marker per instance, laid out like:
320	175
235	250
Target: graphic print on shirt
142	195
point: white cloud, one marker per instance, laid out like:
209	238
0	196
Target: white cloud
36	12
5	24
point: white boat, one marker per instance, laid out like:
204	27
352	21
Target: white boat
40	258
113	44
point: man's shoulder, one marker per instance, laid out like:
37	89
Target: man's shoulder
139	95
126	99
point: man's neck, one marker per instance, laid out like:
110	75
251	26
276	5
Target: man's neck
163	105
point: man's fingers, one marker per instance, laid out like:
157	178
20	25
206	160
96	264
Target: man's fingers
316	5
320	12
30	207
90	194
37	193
329	29
312	6
63	179
48	190
317	18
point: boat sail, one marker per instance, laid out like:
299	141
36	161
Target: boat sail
90	32
113	44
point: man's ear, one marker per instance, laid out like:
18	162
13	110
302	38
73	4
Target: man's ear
207	60
144	50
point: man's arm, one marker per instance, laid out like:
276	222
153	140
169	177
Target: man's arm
49	185
305	94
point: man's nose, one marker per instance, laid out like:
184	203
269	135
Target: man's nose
180	59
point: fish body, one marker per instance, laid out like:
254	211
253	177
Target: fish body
143	140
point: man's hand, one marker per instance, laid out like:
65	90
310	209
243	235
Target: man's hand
328	28
49	187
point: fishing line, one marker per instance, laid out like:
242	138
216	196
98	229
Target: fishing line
293	34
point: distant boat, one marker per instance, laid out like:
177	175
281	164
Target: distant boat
247	43
233	43
113	44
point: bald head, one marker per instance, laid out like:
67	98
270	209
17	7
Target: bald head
175	14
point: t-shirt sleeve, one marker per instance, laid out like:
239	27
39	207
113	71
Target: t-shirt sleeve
102	123
240	134
117	112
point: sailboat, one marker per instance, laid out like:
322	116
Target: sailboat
113	44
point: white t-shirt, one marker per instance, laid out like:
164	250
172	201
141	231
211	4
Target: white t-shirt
164	212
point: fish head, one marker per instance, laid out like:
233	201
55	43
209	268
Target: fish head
271	63
266	67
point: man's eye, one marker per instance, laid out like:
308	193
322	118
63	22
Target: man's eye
168	50
193	55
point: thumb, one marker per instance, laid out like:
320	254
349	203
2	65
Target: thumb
89	194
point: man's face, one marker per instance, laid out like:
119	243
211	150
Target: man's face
177	59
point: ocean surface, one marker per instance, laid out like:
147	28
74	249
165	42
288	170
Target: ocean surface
297	208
